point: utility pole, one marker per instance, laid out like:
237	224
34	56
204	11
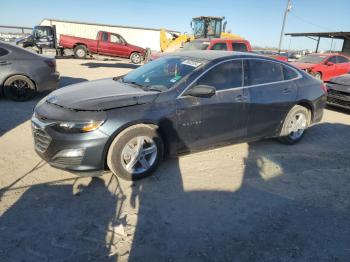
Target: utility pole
288	8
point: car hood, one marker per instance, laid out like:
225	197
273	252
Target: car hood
302	66
340	83
99	95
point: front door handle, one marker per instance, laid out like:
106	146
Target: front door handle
287	91
4	62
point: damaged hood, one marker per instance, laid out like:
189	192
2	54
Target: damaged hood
100	95
340	83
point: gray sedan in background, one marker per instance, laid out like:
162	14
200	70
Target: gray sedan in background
23	73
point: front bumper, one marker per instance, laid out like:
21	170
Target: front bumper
78	153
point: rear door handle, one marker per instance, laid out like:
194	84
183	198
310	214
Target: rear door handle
287	91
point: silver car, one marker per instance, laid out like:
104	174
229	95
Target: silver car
23	73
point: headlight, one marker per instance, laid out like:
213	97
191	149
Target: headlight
78	127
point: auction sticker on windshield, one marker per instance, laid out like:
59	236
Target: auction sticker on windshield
191	63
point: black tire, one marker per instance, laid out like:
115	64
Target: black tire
19	88
115	158
80	51
136	58
288	137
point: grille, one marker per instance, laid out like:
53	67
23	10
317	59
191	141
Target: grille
68	161
41	138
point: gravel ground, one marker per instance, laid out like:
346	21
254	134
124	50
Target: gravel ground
261	201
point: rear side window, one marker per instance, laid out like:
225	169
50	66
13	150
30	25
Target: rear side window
240	47
3	52
262	72
224	76
342	59
104	36
289	73
219	46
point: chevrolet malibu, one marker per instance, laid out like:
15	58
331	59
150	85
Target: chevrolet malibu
182	102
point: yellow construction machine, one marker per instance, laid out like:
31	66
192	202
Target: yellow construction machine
202	27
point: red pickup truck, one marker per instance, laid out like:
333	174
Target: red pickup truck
106	43
221	44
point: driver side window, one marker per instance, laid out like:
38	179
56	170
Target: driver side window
333	60
115	39
224	76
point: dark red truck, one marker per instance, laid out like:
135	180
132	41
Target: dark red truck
106	43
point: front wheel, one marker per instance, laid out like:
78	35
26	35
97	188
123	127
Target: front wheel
135	153
295	125
318	76
136	58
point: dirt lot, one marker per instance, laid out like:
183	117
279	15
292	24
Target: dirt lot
260	201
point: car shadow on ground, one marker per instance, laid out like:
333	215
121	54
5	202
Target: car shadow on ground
116	65
279	212
12	114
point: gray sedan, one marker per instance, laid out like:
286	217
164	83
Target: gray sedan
23	73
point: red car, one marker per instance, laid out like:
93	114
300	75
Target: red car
106	43
324	66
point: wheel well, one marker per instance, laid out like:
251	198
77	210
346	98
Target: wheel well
119	131
80	44
133	53
3	83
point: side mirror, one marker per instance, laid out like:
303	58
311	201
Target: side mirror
329	63
201	91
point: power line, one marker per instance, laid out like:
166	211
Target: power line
311	23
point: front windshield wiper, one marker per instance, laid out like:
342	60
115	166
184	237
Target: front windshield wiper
133	83
159	88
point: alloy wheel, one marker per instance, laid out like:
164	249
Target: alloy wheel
139	154
297	126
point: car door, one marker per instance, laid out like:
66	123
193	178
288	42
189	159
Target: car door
329	68
117	46
203	122
5	64
272	93
343	65
103	44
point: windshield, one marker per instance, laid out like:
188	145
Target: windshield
196	45
313	59
163	73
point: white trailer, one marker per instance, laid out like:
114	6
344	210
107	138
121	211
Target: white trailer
140	36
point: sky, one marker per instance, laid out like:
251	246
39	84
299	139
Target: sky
258	21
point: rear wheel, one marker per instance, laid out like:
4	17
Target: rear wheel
19	88
80	51
295	125
135	153
136	58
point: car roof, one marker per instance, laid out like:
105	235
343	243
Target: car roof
19	51
213	55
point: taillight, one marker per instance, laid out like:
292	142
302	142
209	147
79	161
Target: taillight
51	63
324	88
